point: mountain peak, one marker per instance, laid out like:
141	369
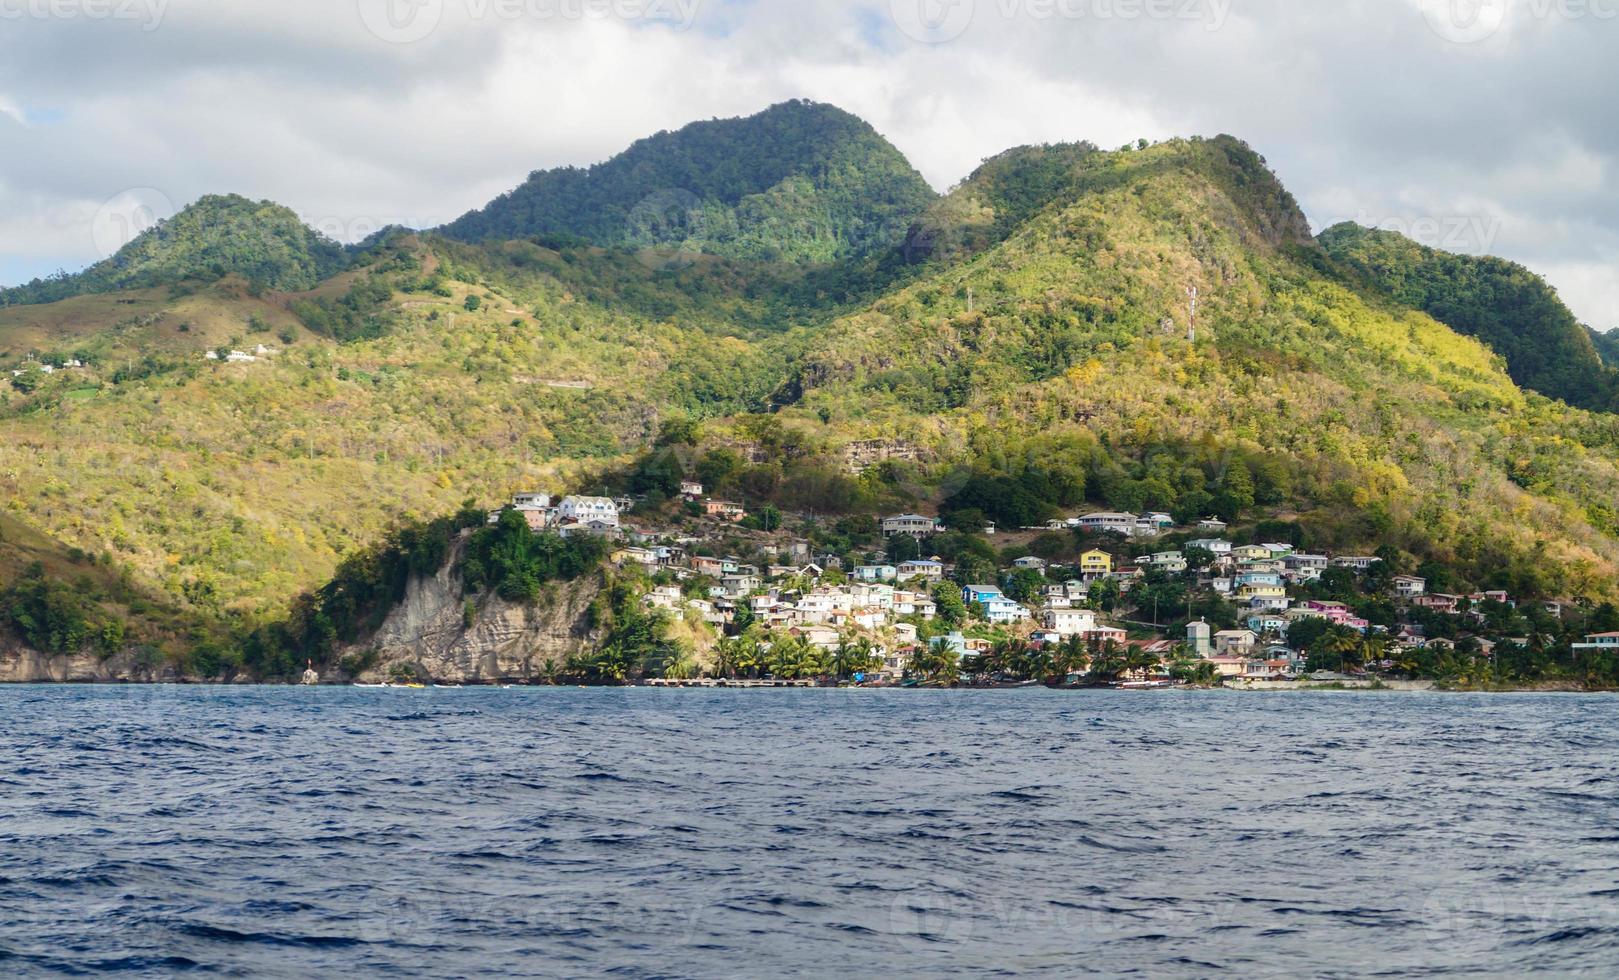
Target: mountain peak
216	236
801	182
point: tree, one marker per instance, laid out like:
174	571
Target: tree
951	611
903	548
1025	585
473	303
1071	657
1105	594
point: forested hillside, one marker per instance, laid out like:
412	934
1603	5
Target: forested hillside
800	182
217	236
1069	328
1503	304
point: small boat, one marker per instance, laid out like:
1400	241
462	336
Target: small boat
371	687
448	687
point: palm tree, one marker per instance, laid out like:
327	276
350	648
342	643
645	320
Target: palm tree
1141	660
1108	662
1072	657
682	666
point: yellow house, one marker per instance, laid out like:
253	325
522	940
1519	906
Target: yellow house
1097	564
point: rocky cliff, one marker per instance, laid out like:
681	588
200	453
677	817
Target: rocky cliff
20	664
428	634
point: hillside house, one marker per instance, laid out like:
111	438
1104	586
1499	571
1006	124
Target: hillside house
691	490
1094	565
1213	524
1106	523
1439	603
1305	568
1069	622
1409	586
1030	564
724	510
1267	624
588	510
1154	524
876	573
915	525
931	571
1359	563
1234	642
1599	643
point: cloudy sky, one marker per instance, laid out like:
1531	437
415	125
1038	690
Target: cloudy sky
1474	125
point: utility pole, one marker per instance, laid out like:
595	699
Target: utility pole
969	300
1191	323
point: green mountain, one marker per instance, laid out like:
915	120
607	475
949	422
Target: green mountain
1607	345
1502	303
799	182
1028	347
1060	369
215	237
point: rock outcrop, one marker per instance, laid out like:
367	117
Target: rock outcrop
24	665
505	643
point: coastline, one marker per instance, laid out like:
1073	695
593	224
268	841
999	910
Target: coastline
1277	687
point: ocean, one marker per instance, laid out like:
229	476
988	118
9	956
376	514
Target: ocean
282	832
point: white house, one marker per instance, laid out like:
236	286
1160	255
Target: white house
531	501
1218	547
1030	564
1069	622
1410	587
915	525
1358	563
1004	611
588	510
1104	523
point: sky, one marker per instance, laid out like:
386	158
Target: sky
1480	126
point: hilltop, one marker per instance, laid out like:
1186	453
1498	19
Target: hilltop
217	236
799	182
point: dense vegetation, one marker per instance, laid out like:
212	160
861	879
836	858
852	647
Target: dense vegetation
800	182
1503	304
217	236
513	561
1607	345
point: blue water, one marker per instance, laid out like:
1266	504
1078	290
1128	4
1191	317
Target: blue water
277	832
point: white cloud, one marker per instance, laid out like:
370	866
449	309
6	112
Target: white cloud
1363	106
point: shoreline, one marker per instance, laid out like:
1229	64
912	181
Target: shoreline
1384	687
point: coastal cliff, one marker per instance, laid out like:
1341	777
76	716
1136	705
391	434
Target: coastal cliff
431	636
20	664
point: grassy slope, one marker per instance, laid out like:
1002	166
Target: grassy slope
253	479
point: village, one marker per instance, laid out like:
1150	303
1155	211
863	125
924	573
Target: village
921	622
